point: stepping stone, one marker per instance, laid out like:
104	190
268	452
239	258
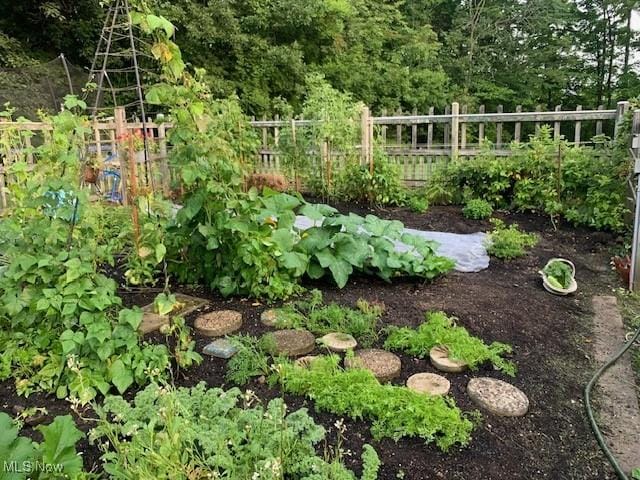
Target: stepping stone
498	397
218	323
339	342
305	362
384	365
429	383
293	343
269	317
152	321
440	359
221	348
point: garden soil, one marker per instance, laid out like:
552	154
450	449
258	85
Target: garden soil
551	337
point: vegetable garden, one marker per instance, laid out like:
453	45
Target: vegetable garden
143	393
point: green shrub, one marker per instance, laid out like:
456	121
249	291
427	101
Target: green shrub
383	187
508	242
439	329
211	433
418	203
477	209
586	186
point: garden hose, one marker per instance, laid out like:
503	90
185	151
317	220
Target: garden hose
587	402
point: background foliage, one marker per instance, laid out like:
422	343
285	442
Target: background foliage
386	54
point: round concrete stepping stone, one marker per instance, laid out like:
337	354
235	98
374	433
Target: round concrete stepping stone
305	362
384	365
218	323
429	383
498	397
293	342
339	342
269	317
440	359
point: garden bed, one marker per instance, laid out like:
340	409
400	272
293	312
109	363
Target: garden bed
550	336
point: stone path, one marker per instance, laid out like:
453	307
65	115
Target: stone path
616	405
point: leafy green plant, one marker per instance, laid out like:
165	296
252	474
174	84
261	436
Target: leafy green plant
558	273
383	186
54	457
584	185
320	319
396	412
251	358
418	203
508	242
477	209
635	474
441	330
212	433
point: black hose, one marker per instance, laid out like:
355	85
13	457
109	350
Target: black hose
587	402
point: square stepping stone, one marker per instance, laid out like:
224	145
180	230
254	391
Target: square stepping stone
221	348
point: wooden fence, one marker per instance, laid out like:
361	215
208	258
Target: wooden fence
422	143
418	143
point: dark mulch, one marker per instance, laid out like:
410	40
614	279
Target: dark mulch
550	336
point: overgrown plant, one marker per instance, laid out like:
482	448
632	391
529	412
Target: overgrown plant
586	186
477	209
508	242
212	433
441	330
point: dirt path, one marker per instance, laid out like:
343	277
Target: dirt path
617	403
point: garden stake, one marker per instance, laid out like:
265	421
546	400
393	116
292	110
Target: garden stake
133	192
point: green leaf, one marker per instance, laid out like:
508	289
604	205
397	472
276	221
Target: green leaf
317	211
121	376
283	239
341	270
58	447
131	317
295	261
13	448
161	251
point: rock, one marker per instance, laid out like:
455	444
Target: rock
498	397
221	348
305	361
269	317
429	383
440	359
384	365
152	321
293	343
339	342
218	323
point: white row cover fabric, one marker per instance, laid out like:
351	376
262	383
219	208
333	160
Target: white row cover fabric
467	250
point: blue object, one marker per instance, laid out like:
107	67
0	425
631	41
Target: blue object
61	204
221	348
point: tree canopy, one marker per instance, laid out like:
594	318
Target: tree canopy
386	53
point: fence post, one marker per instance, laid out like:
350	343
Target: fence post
276	143
414	132
599	122
556	125
463	130
121	136
447	127
537	124
518	127
455	129
621	110
480	127
383	130
164	165
499	109
576	134
430	129
634	276
364	135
